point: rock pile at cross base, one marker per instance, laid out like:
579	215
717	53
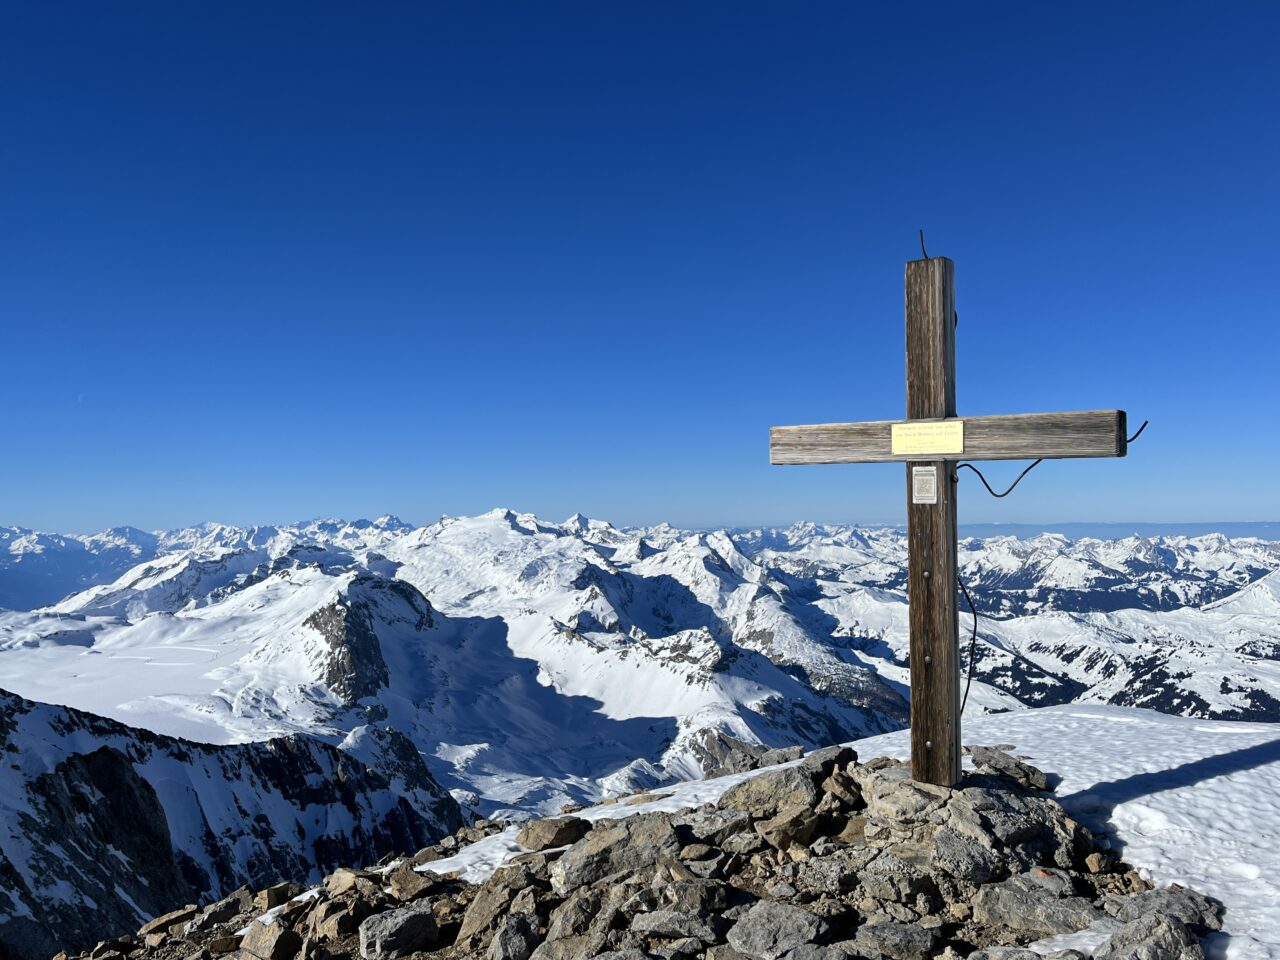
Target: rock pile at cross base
820	859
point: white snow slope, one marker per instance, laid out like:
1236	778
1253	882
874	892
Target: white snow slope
1186	801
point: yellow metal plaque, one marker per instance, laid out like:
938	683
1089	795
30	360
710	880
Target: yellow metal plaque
925	437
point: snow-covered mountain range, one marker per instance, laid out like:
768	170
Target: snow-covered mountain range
537	663
524	664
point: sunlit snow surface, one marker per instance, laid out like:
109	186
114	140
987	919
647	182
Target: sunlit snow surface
1185	801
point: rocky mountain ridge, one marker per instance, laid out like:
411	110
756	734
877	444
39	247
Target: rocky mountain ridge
819	857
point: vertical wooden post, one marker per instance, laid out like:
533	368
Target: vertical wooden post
931	529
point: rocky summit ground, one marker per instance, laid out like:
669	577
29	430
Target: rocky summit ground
817	858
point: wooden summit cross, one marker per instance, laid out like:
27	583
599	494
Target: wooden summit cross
930	441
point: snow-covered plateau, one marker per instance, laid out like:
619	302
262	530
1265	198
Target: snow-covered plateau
522	664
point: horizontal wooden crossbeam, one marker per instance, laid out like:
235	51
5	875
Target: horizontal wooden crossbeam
1020	436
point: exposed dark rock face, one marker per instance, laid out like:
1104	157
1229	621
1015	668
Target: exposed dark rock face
103	825
354	668
100	813
823	859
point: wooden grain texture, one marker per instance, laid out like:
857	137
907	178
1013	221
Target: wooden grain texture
1020	436
931	531
934	628
931	339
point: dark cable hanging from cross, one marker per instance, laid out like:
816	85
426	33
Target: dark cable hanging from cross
973	637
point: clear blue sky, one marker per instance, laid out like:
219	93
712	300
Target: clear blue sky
261	262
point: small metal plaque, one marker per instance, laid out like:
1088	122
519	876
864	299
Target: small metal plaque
924	484
928	436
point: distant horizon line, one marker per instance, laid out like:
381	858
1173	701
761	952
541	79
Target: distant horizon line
1239	528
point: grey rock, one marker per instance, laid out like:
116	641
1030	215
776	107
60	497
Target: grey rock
720	754
963	858
898	941
574	916
764	795
685	948
889	877
712	826
1153	937
228	943
695	896
335	884
168	921
1027	909
334	919
769	931
1055	882
812	951
526	870
226	908
771	758
407	883
892	795
490	902
1193	909
709	869
385	936
552	832
571	948
843	787
743	843
822	763
1028	830
615	847
117	946
270	941
642	902
514	939
673	924
833	874
793	826
1011	767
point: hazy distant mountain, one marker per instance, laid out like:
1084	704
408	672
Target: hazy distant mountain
40	568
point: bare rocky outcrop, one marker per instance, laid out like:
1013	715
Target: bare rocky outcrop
354	667
103	825
825	858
